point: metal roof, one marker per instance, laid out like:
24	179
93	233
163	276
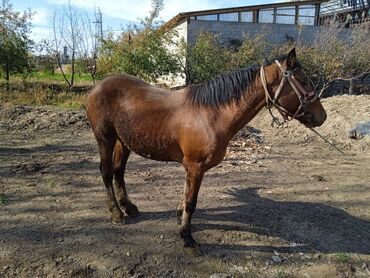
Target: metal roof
184	16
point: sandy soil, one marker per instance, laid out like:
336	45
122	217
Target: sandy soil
282	204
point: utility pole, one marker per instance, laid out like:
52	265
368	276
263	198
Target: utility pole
98	27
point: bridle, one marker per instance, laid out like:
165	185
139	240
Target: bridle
304	97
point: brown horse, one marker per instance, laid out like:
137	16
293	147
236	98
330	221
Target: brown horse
192	126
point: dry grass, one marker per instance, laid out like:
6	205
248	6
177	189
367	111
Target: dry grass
41	96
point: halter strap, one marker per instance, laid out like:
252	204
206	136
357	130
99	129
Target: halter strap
302	94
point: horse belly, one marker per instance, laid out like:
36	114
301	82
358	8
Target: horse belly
151	145
160	150
149	133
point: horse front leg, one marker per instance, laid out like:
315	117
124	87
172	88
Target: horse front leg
194	176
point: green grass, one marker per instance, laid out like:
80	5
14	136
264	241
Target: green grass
58	77
45	78
67	100
44	88
52	183
3	199
281	273
342	257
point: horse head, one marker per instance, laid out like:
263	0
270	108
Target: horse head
293	93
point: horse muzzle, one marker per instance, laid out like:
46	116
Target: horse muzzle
311	120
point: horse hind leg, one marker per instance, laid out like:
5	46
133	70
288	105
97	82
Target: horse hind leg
120	157
179	210
106	147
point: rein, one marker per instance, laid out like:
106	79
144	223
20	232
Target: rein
304	97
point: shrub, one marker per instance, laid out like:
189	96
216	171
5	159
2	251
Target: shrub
337	54
208	58
144	55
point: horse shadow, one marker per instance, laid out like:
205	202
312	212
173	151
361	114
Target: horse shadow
305	226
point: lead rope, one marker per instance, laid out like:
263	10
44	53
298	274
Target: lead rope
326	140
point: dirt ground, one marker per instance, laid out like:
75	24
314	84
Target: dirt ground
282	204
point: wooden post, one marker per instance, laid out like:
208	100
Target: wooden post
255	16
317	15
296	14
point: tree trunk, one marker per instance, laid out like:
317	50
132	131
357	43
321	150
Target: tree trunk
72	69
62	71
7	75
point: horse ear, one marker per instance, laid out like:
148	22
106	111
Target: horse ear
291	60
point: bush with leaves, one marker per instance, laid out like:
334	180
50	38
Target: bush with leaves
15	44
142	51
337	54
142	54
208	58
254	49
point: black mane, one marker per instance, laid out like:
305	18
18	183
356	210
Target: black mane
223	88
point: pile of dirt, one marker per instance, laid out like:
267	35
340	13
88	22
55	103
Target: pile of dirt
42	118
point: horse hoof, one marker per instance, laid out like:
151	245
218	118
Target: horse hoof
118	222
193	251
132	210
118	219
189	242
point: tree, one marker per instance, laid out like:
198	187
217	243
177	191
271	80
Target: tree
87	47
73	33
144	55
141	50
337	55
14	41
45	61
206	58
149	22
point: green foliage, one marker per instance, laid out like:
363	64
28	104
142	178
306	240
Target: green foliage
150	20
144	54
254	50
342	257
14	41
208	58
3	199
40	96
143	51
44	63
57	78
334	56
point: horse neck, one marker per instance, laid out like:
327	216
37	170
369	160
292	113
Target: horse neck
236	115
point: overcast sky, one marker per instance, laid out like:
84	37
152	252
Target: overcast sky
118	13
